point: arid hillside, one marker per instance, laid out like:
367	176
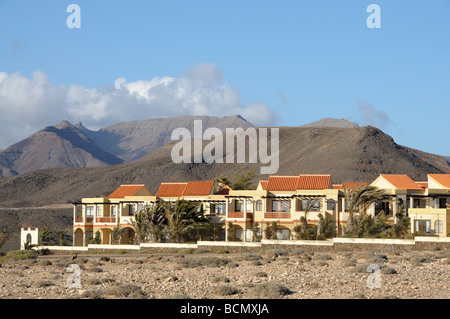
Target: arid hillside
348	154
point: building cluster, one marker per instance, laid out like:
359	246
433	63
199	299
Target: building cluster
280	199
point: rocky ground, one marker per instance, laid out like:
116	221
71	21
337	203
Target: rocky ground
196	274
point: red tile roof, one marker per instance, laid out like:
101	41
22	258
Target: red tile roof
401	181
125	190
198	188
422	184
191	188
263	184
282	183
443	179
171	189
293	183
314	181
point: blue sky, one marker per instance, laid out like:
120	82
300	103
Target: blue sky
276	62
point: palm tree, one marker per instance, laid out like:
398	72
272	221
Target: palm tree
222	182
401	229
117	233
183	218
140	225
157	222
302	229
359	199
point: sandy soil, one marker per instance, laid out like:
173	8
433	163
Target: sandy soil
298	274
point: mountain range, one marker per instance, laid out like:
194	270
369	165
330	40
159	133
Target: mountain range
67	145
347	153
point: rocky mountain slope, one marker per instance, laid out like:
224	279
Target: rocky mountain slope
54	146
348	154
132	140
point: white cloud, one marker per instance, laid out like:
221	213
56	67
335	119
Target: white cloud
29	104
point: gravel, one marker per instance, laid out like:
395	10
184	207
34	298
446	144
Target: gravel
404	274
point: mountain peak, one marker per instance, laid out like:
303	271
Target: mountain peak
63	124
332	122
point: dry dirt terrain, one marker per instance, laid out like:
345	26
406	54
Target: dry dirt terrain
197	274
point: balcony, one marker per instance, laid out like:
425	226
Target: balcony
82	220
105	220
278	215
239	215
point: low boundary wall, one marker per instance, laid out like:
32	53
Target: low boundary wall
418	243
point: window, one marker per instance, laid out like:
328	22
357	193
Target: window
132	210
238	205
438	227
99	211
442	202
114	211
219	209
259	205
89	211
140	207
331	204
313	204
423	226
281	206
249	205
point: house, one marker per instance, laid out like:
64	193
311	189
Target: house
283	200
427	203
430	211
206	193
101	215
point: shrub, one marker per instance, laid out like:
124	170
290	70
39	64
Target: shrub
94	281
206	261
273	253
252	257
95	269
17	255
225	290
44	284
379	258
324	257
348	263
422	259
220	279
125	291
93	294
232	265
269	290
45	263
389	271
261	274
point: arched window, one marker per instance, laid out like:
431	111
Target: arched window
28	239
438	226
